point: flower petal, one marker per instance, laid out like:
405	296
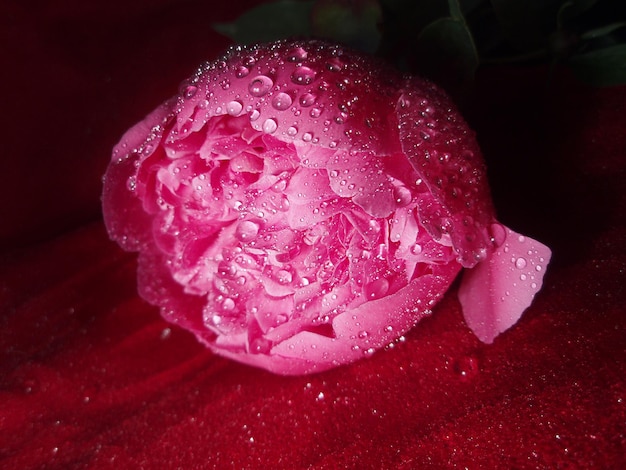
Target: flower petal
495	293
446	156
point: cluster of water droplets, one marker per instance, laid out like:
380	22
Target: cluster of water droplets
308	92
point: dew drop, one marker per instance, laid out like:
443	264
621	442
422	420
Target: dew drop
467	367
284	277
292	131
520	263
242	71
281	101
538	268
246	231
307	137
377	288
234	108
334	65
402	195
190	91
254	115
498	234
228	304
303	76
260	346
260	85
315	112
308	99
270	126
296	55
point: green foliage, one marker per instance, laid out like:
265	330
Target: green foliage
270	22
449	39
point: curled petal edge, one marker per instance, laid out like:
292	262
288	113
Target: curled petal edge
496	292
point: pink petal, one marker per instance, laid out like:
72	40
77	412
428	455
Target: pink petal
495	293
442	149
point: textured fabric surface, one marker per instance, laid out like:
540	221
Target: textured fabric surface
92	377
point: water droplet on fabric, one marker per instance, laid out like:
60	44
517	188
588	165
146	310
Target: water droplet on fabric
467	367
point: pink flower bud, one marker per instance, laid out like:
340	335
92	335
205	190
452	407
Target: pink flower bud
298	206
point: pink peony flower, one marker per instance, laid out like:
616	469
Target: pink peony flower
298	206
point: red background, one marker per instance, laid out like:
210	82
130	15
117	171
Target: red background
91	377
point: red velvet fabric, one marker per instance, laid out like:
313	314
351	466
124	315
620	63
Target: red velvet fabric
91	377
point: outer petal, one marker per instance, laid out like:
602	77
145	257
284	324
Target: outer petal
357	332
442	149
495	293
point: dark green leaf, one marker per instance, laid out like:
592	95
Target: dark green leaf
603	67
352	23
573	8
602	31
269	22
447	53
526	23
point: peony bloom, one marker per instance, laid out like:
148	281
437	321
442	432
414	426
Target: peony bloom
298	206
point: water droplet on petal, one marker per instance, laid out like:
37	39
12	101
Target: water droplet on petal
315	112
402	195
416	249
234	108
308	99
297	54
190	91
260	85
254	115
303	76
246	231
520	263
377	288
292	131
228	304
498	234
242	71
334	65
270	126
281	101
